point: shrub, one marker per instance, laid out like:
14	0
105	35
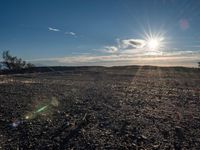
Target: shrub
12	62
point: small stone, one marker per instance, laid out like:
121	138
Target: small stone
144	137
9	140
155	147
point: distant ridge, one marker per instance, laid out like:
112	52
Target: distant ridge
48	69
88	68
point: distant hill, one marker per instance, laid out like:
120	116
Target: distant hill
89	68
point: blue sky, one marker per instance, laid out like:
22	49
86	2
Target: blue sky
101	32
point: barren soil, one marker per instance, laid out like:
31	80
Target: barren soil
101	108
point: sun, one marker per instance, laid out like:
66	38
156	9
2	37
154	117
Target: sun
153	44
154	41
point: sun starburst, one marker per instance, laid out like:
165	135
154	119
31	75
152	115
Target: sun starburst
155	41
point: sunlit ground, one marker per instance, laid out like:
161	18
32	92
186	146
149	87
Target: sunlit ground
118	107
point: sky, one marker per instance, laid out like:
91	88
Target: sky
102	32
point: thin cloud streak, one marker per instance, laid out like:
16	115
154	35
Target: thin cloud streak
70	33
53	29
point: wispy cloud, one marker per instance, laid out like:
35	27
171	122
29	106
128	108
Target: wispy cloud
174	59
132	43
53	29
125	46
130	46
70	33
110	49
67	33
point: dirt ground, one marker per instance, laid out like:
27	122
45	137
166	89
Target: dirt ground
101	108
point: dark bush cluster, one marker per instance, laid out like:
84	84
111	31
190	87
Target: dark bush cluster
12	62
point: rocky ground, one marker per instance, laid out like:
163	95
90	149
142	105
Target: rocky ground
101	108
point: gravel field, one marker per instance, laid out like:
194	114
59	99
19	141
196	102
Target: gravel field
101	108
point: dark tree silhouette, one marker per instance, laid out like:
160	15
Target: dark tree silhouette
29	65
12	62
199	64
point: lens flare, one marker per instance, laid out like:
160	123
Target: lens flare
44	107
15	123
54	102
41	109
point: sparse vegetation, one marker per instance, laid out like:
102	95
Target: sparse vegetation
12	62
